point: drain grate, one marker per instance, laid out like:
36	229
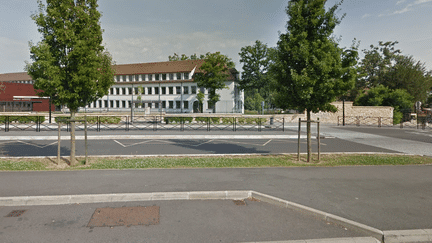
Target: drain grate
239	202
125	216
15	213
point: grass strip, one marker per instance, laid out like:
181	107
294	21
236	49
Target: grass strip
327	160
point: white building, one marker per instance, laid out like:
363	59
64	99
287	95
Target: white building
166	87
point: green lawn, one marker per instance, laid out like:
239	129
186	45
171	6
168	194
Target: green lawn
212	162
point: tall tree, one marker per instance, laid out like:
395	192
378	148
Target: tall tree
213	74
176	57
311	69
70	64
256	77
386	65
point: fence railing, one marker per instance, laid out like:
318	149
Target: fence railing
149	122
422	122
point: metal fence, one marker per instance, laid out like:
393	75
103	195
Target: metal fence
149	122
408	121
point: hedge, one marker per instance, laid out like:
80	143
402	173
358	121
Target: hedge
178	119
93	119
22	119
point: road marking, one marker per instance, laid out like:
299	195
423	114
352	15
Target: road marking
266	143
35	145
119	143
203	143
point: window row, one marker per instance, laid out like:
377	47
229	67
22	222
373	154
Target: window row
21	82
171	104
155	90
152	77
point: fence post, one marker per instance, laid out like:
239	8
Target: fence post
379	121
155	123
283	124
208	124
318	138
338	119
358	121
58	143
298	141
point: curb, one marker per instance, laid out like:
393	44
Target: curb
376	233
122	197
419	235
329	240
201	155
179	137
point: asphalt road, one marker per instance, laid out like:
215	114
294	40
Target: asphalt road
384	197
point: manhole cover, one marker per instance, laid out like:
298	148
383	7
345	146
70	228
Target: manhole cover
15	213
239	202
125	216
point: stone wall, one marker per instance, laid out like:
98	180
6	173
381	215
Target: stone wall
371	115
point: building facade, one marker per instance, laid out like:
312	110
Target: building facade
161	87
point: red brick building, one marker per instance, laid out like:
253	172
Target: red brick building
20	85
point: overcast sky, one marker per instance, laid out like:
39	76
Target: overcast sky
149	31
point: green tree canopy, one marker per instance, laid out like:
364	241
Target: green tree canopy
213	74
381	95
256	79
311	70
386	65
70	64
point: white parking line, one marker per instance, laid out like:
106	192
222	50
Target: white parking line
266	142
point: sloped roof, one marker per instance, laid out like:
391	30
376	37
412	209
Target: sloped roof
137	68
158	67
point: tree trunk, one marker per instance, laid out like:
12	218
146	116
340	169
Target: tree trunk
72	133
308	130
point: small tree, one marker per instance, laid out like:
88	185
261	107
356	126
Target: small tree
311	70
213	73
70	64
200	98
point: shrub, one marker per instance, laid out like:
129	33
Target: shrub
241	120
215	120
22	119
227	120
201	119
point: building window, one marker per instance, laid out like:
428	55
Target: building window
149	90
100	103
111	104
163	90
123	91
193	89
186	76
178	89
185	90
149	77
123	103
178	76
94	104
157	76
156	90
124	78
117	104
164	76
131	78
136	78
117	91
130	90
142	77
171	76
111	91
156	105
171	90
118	78
186	105
130	103
106	103
164	104
178	104
136	90
171	104
202	89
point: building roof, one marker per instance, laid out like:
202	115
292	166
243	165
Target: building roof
131	69
158	67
